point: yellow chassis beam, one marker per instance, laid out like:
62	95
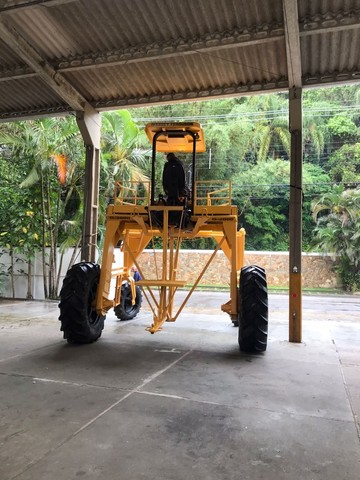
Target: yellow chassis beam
134	227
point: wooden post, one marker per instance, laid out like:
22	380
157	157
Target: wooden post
89	122
295	216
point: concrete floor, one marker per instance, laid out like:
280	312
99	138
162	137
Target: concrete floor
183	403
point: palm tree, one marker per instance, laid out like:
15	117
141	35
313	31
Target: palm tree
270	126
314	138
345	204
47	145
122	157
338	231
272	136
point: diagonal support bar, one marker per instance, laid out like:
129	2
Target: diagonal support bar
48	74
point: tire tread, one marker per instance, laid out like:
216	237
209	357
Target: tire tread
253	309
79	323
123	311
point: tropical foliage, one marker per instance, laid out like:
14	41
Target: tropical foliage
122	157
42	153
337	213
42	172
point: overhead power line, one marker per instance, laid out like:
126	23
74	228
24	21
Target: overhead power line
267	115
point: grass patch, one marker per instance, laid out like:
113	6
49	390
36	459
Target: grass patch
271	289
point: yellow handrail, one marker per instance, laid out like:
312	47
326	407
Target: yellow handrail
128	193
212	190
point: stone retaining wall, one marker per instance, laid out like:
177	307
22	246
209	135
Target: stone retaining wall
317	268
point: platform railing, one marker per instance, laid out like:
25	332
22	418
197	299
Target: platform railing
212	193
132	193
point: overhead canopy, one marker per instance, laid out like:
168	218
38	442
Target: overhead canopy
176	137
67	55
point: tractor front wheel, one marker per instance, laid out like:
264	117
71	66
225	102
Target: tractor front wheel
126	310
79	321
253	310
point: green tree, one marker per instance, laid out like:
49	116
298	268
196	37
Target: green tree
344	164
20	221
342	128
219	144
50	149
342	95
315	132
338	231
123	159
262	195
271	135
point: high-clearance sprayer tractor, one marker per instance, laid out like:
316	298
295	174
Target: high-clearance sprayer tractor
136	217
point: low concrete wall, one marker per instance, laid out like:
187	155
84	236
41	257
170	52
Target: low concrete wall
317	269
20	275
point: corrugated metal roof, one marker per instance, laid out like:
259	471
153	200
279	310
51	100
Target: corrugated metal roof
8	59
131	52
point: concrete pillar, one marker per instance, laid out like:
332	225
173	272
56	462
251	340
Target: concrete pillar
295	216
89	122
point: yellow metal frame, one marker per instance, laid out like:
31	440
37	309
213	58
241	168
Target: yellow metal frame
131	222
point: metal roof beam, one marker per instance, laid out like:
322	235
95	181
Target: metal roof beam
8	6
163	98
330	22
292	41
144	53
192	95
343	77
47	73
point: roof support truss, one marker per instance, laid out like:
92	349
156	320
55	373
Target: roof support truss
293	28
11	5
292	40
150	52
217	43
49	75
330	22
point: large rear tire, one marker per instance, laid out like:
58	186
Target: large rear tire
253	310
126	310
79	321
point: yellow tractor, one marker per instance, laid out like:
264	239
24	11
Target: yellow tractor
137	218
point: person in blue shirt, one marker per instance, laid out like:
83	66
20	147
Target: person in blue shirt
136	275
